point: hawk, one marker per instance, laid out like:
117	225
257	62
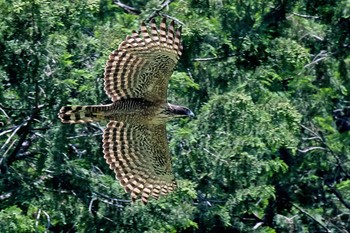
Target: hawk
136	79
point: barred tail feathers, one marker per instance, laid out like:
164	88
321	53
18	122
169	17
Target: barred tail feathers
82	114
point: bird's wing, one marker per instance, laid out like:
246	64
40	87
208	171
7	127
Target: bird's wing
139	156
142	65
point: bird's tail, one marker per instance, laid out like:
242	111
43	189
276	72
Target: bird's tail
82	114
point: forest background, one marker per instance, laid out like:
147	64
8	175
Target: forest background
268	150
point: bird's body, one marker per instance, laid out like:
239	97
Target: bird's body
133	111
136	78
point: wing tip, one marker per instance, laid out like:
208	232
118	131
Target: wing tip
130	54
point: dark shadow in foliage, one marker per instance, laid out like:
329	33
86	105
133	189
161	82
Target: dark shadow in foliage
342	119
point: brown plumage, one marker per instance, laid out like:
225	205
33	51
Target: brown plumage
136	79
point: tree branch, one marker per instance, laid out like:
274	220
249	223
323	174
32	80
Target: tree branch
305	150
111	198
23	130
172	18
48	220
305	16
5	114
127	8
37	220
155	12
312	217
5	196
11	136
214	58
328	149
339	196
323	54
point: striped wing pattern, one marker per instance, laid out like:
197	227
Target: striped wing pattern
139	156
142	65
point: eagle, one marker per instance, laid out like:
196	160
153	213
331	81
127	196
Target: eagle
136	79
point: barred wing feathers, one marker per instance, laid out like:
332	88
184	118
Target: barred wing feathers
142	65
139	156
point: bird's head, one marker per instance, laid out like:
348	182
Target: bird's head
178	111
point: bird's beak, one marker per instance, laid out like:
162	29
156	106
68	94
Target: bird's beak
190	113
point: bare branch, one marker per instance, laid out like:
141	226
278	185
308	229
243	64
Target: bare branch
5	132
305	16
48	220
328	149
5	196
317	37
189	73
80	153
312	217
311	148
4	157
217	157
111	203
339	196
214	58
108	219
312	132
154	13
315	61
338	227
37	220
257	225
111	198
319	57
5	114
97	169
91	203
312	35
11	136
309	138
172	18
127	8
25	127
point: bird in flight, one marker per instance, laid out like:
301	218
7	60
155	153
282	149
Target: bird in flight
136	79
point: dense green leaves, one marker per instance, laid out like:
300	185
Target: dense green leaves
268	150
